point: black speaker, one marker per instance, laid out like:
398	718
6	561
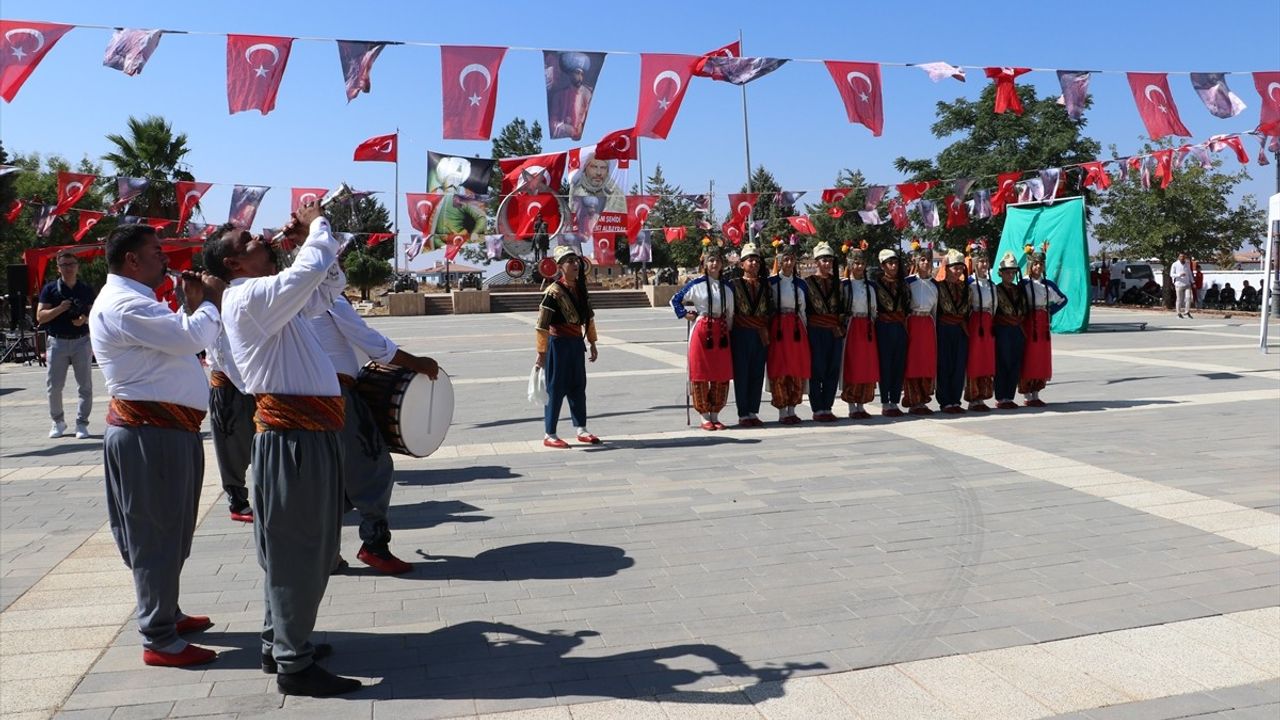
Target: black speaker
16	277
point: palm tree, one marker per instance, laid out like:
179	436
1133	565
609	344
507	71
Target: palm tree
153	152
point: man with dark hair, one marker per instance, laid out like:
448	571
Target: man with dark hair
152	449
297	457
63	310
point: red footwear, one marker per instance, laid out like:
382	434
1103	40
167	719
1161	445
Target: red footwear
557	443
921	410
194	624
190	655
708	425
1006	405
244	517
383	561
589	439
721	426
891	412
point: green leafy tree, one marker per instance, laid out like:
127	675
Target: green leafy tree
988	144
151	150
848	229
767	209
671	210
366	271
1194	214
364	214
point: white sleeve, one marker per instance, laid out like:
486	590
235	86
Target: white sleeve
275	300
171	333
325	296
357	332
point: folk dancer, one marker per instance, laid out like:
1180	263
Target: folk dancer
922	340
564	317
788	361
369	473
980	367
825	320
709	359
1010	314
231	412
749	339
952	329
298	458
893	302
152	450
1044	300
861	358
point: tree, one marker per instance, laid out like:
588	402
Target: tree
671	210
153	152
989	144
363	215
366	271
848	229
1194	214
767	208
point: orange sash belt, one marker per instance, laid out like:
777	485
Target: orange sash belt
299	412
219	379
891	317
565	330
153	413
1008	320
824	320
751	321
947	319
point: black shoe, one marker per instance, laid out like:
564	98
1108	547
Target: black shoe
319	652
315	681
1189	317
340	566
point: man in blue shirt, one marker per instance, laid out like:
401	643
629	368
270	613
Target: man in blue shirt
63	312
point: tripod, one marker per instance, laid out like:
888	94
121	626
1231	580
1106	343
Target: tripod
19	347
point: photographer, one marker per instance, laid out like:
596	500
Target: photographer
63	313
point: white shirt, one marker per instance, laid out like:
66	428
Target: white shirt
341	332
1042	295
862	301
1181	273
785	294
147	351
924	294
267	322
219	357
709	304
1117	271
982	295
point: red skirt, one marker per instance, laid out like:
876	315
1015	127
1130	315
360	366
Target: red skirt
922	347
788	357
982	346
715	363
1037	357
861	357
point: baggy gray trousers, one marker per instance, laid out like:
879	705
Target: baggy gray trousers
231	425
369	469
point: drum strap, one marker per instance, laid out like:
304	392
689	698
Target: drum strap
138	413
346	381
299	412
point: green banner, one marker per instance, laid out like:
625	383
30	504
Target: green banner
1067	262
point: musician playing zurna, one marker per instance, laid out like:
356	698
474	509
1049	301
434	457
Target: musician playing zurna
297	461
709	359
565	317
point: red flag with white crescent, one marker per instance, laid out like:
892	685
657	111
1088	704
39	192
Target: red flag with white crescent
1268	85
732	50
72	187
380	148
832	196
915	190
741	205
1095	175
25	44
1005	191
859	87
15	209
453	244
957	212
898	214
88	219
1155	105
524	210
160	224
534	173
1006	93
618	145
802	225
663	82
674	234
376	238
255	65
189	194
422	207
299	196
638	209
733	229
605	250
1164	166
469	79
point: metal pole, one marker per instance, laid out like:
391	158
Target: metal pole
395	217
746	141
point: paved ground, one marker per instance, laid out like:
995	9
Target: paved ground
1116	555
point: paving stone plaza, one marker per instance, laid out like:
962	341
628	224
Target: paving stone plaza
1114	555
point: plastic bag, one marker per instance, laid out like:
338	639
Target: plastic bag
537	386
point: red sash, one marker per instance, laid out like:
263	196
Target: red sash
299	412
153	413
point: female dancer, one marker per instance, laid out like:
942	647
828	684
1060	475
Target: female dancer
980	369
710	363
922	341
788	342
861	357
1044	299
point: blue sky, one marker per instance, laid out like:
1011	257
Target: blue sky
798	128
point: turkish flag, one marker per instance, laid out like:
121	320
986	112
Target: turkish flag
1155	105
733	230
533	173
674	234
422	208
1006	92
663	82
915	190
1164	166
453	244
1268	85
25	45
525	209
1096	176
1005	191
298	196
375	238
1218	142
638	209
72	187
741	205
957	212
898	214
189	193
803	225
618	145
88	219
832	196
15	209
255	65
605	251
469	78
158	224
859	87
380	148
732	50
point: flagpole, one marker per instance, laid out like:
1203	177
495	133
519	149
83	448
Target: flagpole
746	141
395	218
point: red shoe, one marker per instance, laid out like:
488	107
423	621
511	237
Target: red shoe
557	443
891	412
1036	403
1006	405
721	426
589	439
194	624
190	655
244	517
921	410
708	425
383	561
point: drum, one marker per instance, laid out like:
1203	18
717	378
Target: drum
412	411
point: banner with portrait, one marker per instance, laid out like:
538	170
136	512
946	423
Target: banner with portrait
597	207
571	83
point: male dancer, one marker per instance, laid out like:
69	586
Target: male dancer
826	325
980	366
893	302
953	341
749	338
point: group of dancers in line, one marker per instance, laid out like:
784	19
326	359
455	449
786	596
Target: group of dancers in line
282	345
968	336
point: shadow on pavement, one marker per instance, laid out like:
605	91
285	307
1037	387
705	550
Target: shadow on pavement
426	514
449	476
528	561
664	443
